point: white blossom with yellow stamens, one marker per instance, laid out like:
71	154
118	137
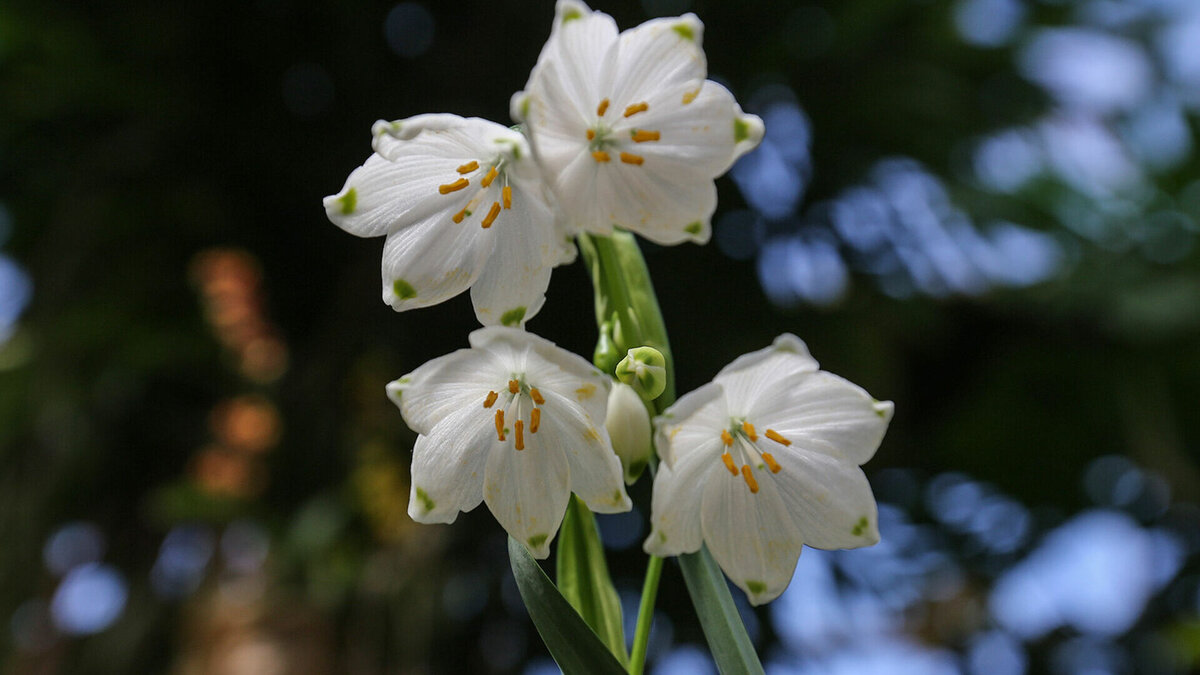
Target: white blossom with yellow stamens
763	459
462	204
514	421
627	128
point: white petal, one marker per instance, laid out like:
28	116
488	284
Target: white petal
675	505
457	381
547	367
830	411
513	284
382	196
448	467
829	500
658	54
664	206
596	477
433	260
437	135
691	424
752	536
580	45
697	138
762	374
527	492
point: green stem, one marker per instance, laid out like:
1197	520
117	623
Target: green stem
641	635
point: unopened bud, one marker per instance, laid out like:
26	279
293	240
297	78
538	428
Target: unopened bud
628	426
644	369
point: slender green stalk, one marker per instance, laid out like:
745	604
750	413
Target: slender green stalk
641	635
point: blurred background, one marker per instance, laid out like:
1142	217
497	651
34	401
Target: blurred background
984	210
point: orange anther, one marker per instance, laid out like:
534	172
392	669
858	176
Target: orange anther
491	215
728	459
774	435
602	108
600	156
749	429
506	195
454	187
591	134
536	396
535	420
636	108
500	424
458	217
727	437
641	136
632	159
771	462
513	386
468	167
690	96
491	399
519	427
491	176
749	478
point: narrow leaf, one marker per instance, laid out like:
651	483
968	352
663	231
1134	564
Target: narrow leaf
583	580
572	644
723	629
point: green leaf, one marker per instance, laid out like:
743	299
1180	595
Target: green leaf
583	579
727	639
572	644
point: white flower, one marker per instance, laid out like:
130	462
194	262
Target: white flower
463	205
627	128
513	421
762	460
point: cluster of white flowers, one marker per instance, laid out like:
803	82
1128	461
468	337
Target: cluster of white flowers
616	129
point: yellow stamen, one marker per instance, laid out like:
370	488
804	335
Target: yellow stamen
728	459
491	399
774	435
602	108
591	134
454	187
641	136
749	478
491	215
491	176
458	217
690	96
536	396
506	195
632	159
513	386
636	108
519	427
749	429
468	167
726	437
771	462
600	156
535	420
500	424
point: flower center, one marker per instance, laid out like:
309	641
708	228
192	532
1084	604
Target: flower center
602	136
470	170
742	437
520	395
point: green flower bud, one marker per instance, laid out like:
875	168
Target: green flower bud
644	369
628	426
606	355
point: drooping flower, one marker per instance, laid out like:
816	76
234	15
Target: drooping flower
763	459
627	128
462	205
514	421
